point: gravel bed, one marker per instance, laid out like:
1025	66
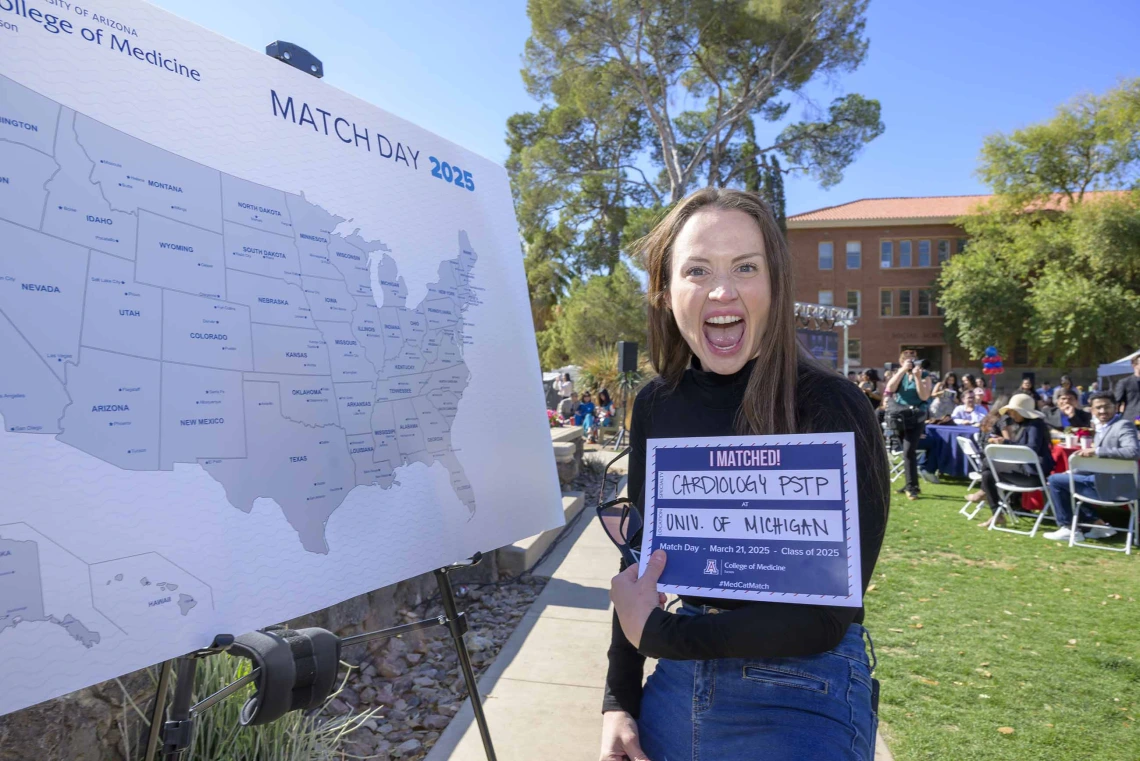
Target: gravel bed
413	683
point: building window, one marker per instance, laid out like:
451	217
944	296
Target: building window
886	254
855	302
854	255
939	311
943	251
961	245
886	302
924	253
904	253
826	255
1021	352
925	298
904	302
827	298
854	351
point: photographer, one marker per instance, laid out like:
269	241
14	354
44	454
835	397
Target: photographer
909	390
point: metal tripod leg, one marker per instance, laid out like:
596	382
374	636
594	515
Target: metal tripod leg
458	625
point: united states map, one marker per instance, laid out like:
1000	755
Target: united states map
156	312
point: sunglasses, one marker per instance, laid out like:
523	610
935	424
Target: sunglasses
621	520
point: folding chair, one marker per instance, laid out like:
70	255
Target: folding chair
894	452
974	458
1015	454
1104	465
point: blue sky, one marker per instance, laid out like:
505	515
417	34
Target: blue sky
946	73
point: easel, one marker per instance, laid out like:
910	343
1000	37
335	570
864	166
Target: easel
177	731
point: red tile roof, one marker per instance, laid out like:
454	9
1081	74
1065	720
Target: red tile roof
920	210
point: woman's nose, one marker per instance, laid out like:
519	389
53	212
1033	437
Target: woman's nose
723	291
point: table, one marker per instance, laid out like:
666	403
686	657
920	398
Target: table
942	452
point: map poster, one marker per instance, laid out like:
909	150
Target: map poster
263	346
771	518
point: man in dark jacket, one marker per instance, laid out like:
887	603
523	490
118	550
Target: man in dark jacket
1127	392
1067	414
1115	438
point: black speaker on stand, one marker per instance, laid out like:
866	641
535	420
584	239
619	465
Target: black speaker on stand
627	363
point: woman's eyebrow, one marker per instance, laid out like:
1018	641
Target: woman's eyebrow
735	259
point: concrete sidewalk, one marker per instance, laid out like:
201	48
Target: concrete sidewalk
543	693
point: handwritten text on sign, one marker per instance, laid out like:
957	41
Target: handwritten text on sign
737	485
788	525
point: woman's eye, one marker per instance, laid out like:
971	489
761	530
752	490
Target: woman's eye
748	268
696	272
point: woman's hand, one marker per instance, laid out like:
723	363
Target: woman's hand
619	738
634	599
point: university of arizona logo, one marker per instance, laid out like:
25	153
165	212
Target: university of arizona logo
710	567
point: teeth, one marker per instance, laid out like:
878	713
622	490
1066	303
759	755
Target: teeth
725	320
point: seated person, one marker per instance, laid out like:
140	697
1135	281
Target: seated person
968	412
1115	438
1026	429
1067	414
584	415
568	406
980	400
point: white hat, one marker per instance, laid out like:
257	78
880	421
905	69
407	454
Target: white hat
1023	405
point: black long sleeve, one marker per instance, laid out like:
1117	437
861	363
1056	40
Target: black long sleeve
706	405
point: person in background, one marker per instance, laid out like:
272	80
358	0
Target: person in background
1092	389
969	383
968	412
1115	438
1031	432
565	386
605	409
980	397
1026	388
1067	414
994	427
943	399
909	389
1127	392
584	414
568	407
871	387
1045	394
1065	384
853	377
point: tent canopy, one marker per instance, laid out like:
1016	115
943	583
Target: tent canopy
1122	366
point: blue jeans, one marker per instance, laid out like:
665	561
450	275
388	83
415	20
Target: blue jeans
774	709
1062	497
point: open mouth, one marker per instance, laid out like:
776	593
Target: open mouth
724	333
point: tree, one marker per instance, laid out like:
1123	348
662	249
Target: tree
596	314
1048	262
734	57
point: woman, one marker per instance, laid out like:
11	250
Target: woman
1028	430
722	339
909	390
584	415
949	383
565	386
870	386
605	412
943	399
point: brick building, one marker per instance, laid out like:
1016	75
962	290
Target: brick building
881	257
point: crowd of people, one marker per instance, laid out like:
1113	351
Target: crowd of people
909	398
583	410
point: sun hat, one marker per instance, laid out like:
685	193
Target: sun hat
1023	405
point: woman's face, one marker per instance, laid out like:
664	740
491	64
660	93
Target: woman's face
1026	384
719	288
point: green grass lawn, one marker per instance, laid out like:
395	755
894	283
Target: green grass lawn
980	632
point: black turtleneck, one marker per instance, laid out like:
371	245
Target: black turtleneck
706	404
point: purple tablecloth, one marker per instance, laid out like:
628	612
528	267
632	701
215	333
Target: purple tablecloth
942	452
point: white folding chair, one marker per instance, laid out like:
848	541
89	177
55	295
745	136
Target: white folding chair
894	452
974	459
1018	455
1103	465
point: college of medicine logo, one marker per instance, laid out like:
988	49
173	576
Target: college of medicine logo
710	568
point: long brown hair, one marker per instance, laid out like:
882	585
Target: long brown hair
769	404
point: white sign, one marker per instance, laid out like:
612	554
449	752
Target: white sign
263	346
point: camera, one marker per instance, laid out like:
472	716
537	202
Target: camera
920	364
